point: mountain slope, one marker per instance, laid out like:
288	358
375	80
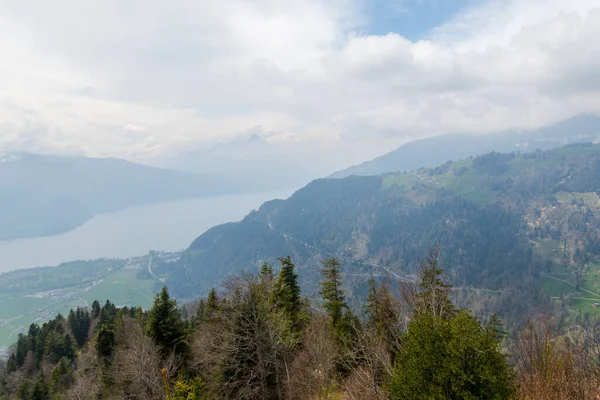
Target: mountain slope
433	151
494	216
43	195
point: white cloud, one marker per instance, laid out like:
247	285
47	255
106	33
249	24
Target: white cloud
148	80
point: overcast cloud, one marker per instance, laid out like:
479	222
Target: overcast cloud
151	80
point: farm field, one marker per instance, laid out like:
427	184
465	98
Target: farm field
37	295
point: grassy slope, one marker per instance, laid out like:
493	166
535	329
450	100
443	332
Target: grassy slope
461	178
21	302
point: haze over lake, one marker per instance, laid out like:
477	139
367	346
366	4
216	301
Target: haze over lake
134	231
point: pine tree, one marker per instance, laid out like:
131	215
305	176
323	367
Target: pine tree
495	327
200	312
434	296
445	353
105	343
260	344
39	390
383	316
24	389
266	273
62	376
334	301
95	309
79	322
287	291
107	314
208	308
372	305
165	326
450	358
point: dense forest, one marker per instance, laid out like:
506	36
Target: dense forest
507	223
261	338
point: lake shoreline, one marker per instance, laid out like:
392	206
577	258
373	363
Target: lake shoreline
167	226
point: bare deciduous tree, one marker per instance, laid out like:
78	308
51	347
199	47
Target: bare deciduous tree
139	366
87	384
373	367
552	366
315	366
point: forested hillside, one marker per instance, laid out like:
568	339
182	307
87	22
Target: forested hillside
260	338
515	230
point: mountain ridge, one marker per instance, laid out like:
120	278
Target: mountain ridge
430	152
45	195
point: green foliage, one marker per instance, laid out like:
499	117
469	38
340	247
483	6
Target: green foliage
23	390
266	272
334	301
188	389
62	376
58	346
105	342
208	308
40	390
493	163
345	323
450	358
287	291
79	322
52	348
383	316
260	341
95	309
434	297
107	314
166	327
445	353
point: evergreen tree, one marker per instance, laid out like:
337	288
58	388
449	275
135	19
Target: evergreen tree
105	343
107	314
452	358
494	327
287	291
434	296
79	322
212	301
58	345
39	390
383	316
260	345
445	353
62	376
334	301
23	390
200	312
33	331
266	273
208	309
165	326
345	323
95	309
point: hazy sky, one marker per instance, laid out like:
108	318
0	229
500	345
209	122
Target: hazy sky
281	81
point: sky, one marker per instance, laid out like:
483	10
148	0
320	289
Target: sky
301	85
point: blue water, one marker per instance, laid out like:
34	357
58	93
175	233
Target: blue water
166	226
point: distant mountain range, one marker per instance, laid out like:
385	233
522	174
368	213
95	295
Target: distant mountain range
427	153
45	195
